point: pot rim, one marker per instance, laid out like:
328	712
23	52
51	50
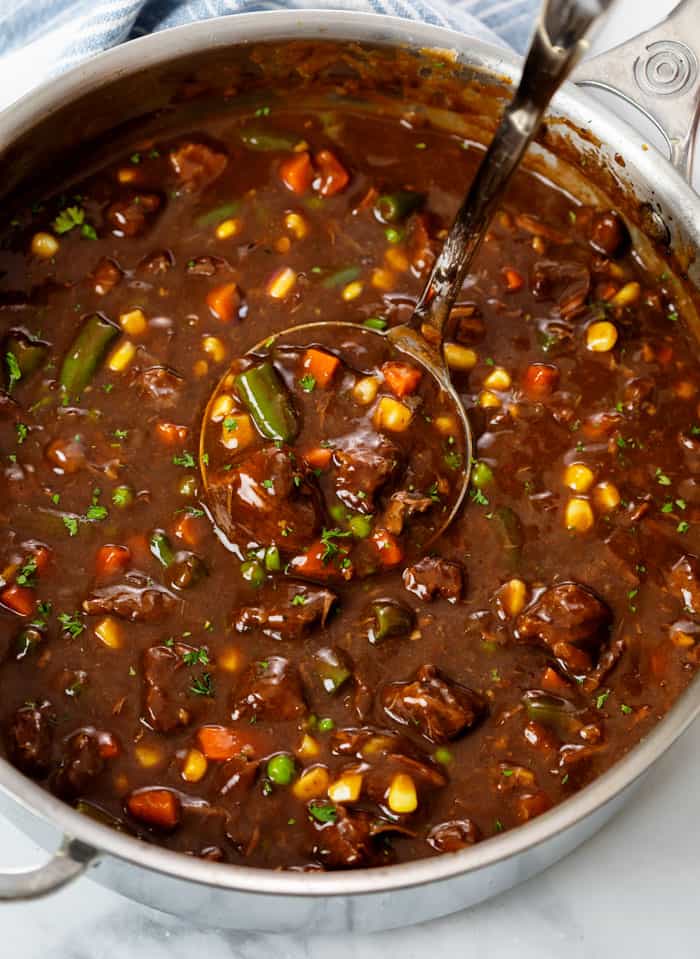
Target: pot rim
167	45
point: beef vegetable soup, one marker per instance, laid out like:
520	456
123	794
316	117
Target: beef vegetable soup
267	661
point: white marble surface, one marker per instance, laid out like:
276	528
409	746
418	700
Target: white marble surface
631	890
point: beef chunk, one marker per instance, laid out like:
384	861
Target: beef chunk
346	841
684	582
265	498
362	471
426	776
197	165
106	276
130	216
439	708
168	680
83	761
157	263
571	621
206	265
454	835
137	599
433	576
287	611
272	689
29	739
402	506
566	282
160	384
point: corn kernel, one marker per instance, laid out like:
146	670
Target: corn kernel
681	639
460	357
365	390
229	659
134	323
148	756
283	244
488	399
601	336
512	596
308	748
579	515
44	245
392	415
498	379
108	631
402	796
606	496
382	279
281	283
228	228
214	348
396	259
238	432
195	766
121	357
538	245
127	175
221	407
579	477
297	225
200	368
346	788
352	291
445	425
312	783
628	295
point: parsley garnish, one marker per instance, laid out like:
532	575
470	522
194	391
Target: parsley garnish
14	372
204	686
298	600
26	573
22	432
683	527
308	383
230	424
479	497
96	513
322	811
626	709
196	657
71	524
661	477
187	460
71	624
120	434
602	699
331	548
68	219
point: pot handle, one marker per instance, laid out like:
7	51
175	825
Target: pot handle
69	861
658	72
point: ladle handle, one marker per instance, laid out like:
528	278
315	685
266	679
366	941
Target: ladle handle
557	45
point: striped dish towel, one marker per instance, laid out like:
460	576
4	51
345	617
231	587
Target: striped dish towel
41	38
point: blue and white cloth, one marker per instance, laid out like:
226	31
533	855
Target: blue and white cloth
41	38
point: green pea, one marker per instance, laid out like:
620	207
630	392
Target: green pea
361	526
281	769
273	560
442	756
338	512
253	573
482	475
325	725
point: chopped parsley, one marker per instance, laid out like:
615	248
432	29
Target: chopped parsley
308	383
22	432
13	370
683	527
323	812
186	459
625	709
661	477
71	524
72	624
298	600
203	686
25	577
602	699
479	497
330	547
68	219
196	657
95	513
230	424
120	434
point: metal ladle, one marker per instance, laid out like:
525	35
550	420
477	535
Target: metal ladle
557	45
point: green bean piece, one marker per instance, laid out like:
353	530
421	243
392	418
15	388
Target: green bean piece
267	400
218	214
395	207
341	277
86	353
332	669
253	573
511	531
23	356
376	323
268	142
160	548
390	619
273	560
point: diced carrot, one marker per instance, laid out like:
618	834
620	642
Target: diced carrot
334	176
554	683
514	280
20	599
42	557
188	529
156	807
540	379
402	378
222	742
223	301
112	559
318	458
297	173
387	546
311	563
320	365
171	433
108	745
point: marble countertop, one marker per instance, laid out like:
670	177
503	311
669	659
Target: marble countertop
632	888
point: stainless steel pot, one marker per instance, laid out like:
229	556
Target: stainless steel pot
659	72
